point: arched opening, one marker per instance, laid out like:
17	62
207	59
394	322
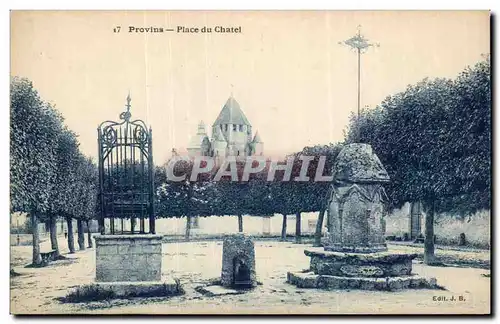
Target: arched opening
241	273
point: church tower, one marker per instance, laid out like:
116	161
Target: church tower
231	135
235	127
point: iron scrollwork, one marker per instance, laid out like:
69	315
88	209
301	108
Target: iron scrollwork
126	173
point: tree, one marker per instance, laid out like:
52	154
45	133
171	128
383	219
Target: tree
86	191
61	196
89	179
232	195
282	199
182	198
314	194
33	142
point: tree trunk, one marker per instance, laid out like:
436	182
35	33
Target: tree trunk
240	223
132	224
319	227
89	235
429	257
415	215
188	227
37	258
71	239
81	235
298	223
283	228
53	234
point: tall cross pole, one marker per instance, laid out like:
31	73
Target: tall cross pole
360	45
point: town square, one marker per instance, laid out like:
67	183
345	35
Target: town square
163	168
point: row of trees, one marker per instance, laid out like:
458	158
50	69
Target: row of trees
49	176
206	197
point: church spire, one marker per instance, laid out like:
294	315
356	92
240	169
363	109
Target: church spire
201	128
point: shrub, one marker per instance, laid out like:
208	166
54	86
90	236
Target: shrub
88	293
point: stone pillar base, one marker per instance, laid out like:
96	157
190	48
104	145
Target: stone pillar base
371	271
312	280
128	258
377	265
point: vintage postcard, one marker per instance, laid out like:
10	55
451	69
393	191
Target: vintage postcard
250	162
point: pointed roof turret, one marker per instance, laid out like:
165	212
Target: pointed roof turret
201	128
256	138
197	139
359	164
218	136
231	113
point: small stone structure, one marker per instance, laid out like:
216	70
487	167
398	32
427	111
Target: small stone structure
128	257
355	254
130	266
238	262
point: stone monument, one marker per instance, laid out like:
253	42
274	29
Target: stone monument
238	262
355	254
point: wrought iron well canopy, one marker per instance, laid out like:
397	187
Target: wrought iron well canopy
126	175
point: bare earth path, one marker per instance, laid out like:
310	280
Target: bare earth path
36	290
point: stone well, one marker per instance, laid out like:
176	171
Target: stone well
130	266
238	262
122	258
355	254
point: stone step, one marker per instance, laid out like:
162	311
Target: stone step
311	280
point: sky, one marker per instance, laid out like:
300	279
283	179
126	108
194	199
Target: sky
294	81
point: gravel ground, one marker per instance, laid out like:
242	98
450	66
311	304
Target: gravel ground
36	290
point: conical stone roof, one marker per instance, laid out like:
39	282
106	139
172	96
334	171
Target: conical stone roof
231	113
358	163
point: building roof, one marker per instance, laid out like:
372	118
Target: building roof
231	113
256	138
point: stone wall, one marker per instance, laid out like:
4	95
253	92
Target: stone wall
128	257
253	225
